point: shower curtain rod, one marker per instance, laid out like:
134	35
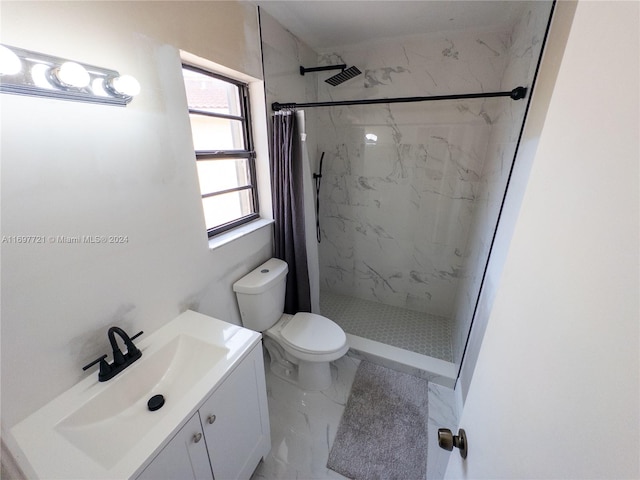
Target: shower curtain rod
515	94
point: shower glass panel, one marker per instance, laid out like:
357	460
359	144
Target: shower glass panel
411	192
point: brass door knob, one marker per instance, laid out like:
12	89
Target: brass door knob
448	440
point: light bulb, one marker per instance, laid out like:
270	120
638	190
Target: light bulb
39	74
10	63
125	85
97	87
71	74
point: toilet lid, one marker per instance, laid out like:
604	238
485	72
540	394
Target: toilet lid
313	333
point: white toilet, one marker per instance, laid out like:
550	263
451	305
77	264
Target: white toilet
301	345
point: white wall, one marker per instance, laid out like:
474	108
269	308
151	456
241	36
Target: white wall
555	392
78	169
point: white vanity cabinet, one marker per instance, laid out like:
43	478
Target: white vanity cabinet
228	435
184	457
235	421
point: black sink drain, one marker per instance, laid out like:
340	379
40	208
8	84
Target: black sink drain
156	402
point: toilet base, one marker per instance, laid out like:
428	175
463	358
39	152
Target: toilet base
310	376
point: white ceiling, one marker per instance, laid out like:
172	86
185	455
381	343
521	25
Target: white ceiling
329	23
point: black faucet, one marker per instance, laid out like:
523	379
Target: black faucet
120	360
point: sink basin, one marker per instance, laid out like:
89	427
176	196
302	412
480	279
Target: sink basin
120	411
104	430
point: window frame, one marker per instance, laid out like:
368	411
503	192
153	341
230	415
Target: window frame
248	153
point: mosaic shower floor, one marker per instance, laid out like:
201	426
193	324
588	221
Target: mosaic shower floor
414	331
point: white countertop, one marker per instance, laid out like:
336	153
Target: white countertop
58	441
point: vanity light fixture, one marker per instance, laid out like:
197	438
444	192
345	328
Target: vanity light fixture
24	72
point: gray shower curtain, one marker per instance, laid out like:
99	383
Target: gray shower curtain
288	210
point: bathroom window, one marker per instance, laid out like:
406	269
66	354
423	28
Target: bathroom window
225	158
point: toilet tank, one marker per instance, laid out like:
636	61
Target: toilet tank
260	295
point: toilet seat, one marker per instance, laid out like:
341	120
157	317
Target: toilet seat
313	334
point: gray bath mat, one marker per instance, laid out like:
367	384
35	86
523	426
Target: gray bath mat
383	431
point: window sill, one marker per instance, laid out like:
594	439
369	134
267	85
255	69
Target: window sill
239	232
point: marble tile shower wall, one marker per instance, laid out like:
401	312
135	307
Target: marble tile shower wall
396	211
282	55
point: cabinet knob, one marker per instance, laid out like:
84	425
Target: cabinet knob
211	419
197	437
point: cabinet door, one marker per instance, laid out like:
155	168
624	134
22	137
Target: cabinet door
184	457
235	421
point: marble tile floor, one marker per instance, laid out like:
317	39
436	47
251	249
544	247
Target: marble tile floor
304	425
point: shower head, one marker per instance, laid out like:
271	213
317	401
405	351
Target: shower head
343	76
